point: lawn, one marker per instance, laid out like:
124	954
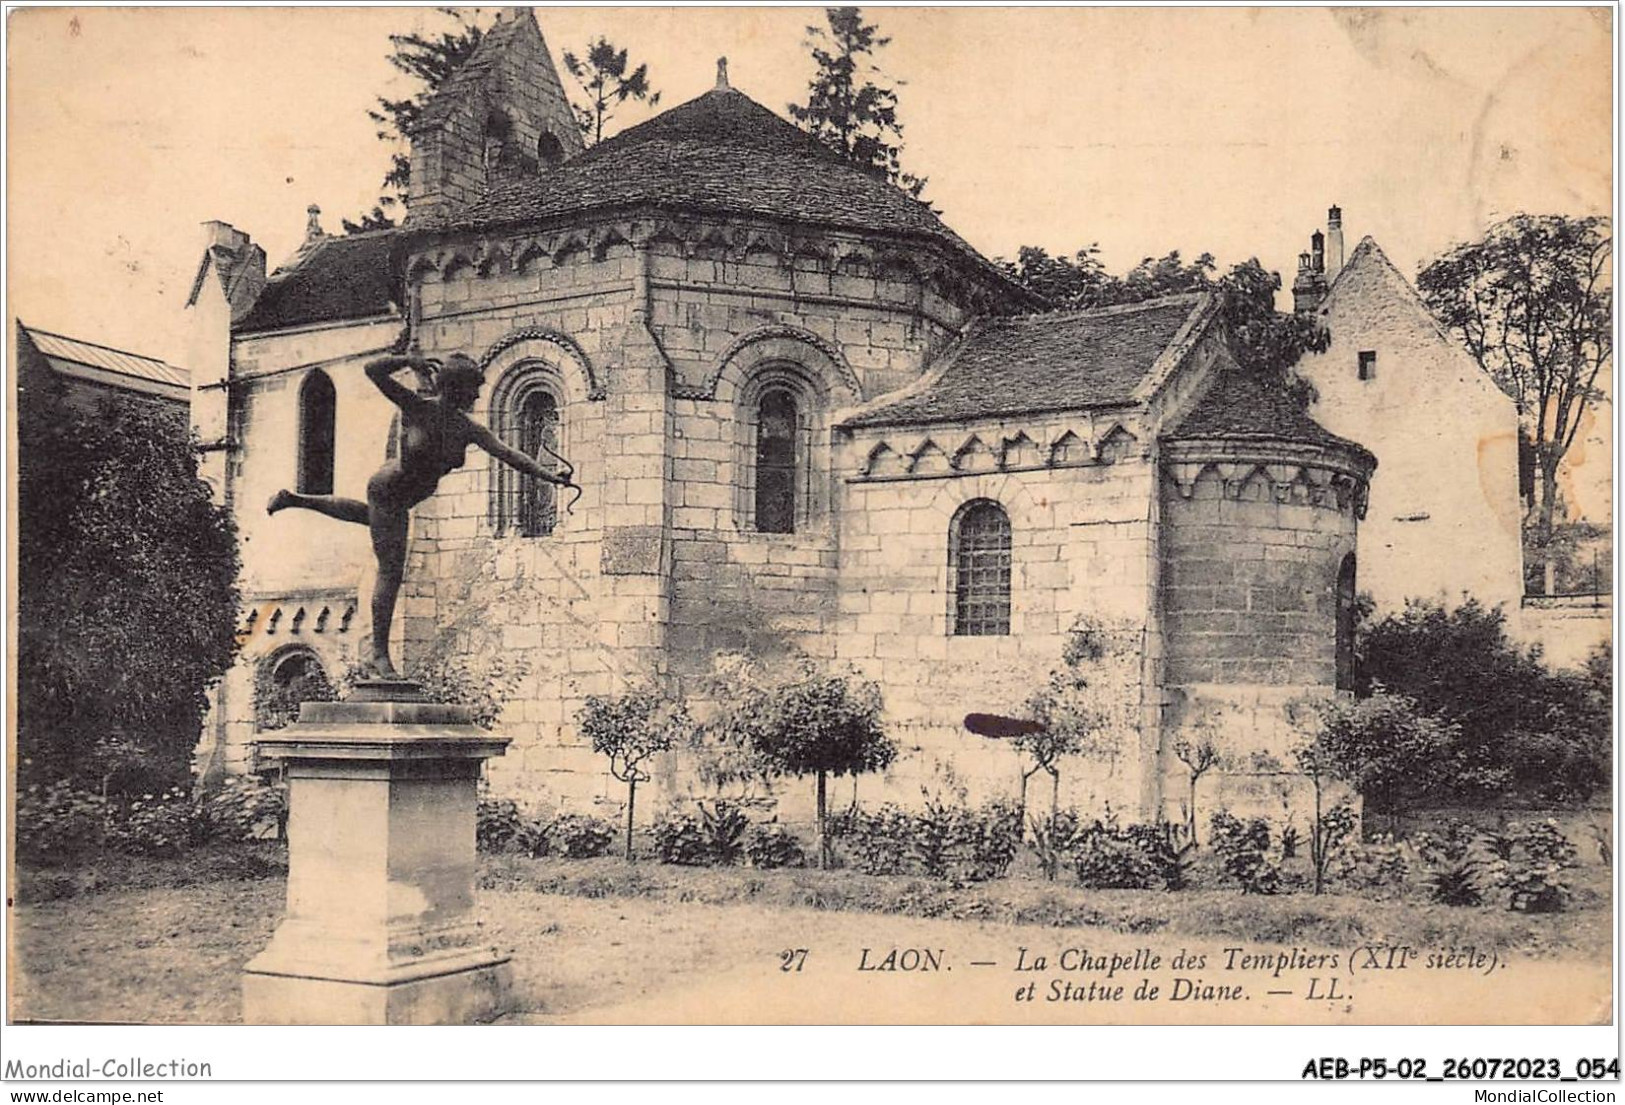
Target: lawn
601	940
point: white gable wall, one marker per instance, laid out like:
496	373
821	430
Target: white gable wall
1445	515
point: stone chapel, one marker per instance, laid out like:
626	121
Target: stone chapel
808	419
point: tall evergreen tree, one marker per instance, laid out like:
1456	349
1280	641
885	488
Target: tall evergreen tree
846	109
428	60
603	77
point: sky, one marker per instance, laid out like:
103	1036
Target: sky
1143	130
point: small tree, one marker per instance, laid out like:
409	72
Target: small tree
810	723
1199	758
603	77
631	728
1081	707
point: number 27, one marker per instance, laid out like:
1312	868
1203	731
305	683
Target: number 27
792	959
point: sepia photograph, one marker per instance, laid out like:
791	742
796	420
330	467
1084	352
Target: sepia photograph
800	516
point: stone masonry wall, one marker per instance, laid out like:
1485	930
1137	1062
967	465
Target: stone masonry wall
1079	494
1249	608
658	568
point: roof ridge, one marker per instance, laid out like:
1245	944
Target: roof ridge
32	330
1106	311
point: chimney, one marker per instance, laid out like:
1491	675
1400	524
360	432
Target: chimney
1310	286
238	263
1317	252
1334	242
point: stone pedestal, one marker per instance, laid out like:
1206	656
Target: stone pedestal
380	925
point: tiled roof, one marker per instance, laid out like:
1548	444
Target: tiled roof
721	152
1240	407
1036	363
58	348
336	278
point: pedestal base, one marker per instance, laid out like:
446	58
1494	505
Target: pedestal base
381	926
467	996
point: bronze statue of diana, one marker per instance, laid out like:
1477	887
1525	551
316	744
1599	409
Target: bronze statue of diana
436	431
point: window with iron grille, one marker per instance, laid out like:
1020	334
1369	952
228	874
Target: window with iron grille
776	426
317	434
525	505
979	556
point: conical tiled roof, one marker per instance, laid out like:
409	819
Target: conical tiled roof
719	153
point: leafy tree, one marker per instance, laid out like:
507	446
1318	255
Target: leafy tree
428	60
1533	302
1262	340
845	108
630	729
603	77
808	723
1518	725
126	595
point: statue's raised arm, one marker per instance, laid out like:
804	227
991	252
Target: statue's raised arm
436	431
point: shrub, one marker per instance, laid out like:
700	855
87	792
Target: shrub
1533	875
1517	725
680	839
497	823
879	843
165	824
941	841
243	808
772	845
276	704
1053	839
581	836
992	836
724	826
58	822
1105	860
1243	851
1377	867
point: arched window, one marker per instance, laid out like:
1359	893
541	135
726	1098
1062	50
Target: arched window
549	150
317	407
1345	624
776	447
979	565
527	419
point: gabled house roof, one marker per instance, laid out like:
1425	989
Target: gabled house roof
104	365
1033	364
330	280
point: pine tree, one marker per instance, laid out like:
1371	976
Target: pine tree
429	60
603	77
845	108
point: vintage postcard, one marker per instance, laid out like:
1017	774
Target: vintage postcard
758	516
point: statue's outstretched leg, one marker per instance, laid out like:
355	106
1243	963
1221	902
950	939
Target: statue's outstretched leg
334	506
389	528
